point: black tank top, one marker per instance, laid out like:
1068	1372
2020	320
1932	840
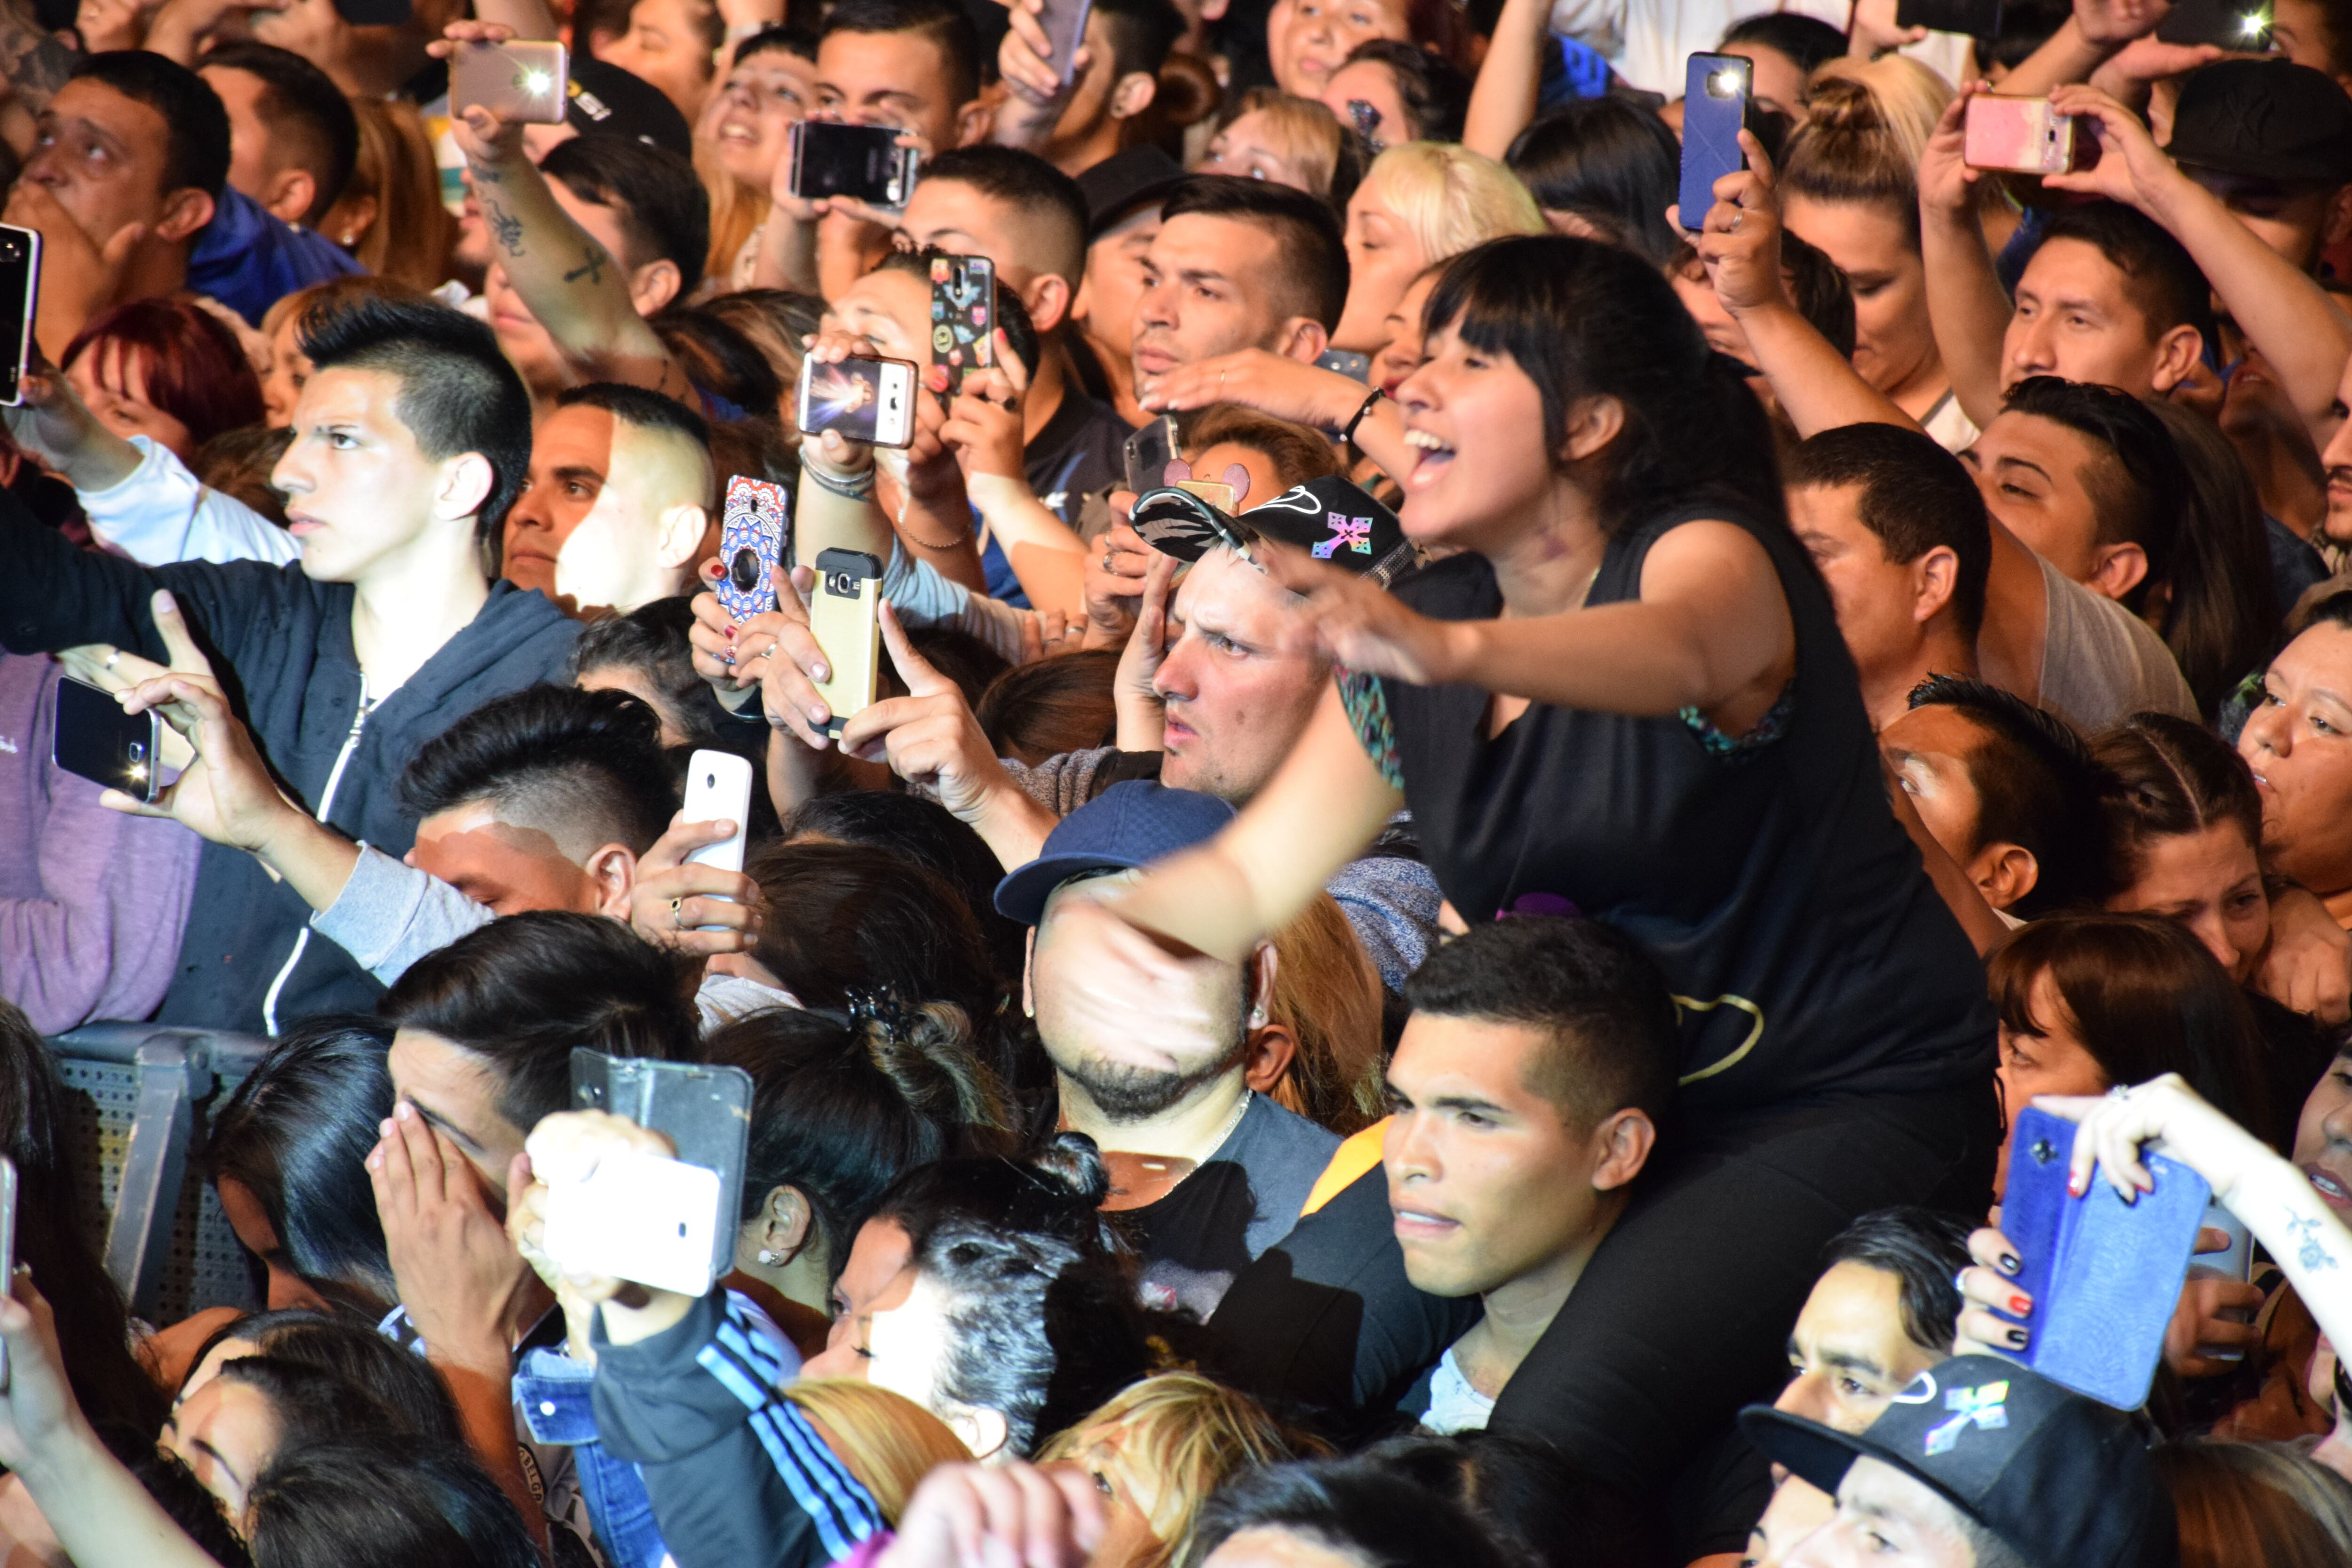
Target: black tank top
1809	953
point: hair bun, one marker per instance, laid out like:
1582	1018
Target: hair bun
1070	1163
1836	104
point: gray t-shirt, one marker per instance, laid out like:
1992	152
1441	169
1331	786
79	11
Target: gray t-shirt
2100	663
1240	1201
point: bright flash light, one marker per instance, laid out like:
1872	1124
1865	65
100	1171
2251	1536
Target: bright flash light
539	81
2252	23
1727	82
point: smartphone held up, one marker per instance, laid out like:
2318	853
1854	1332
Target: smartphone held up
2022	136
861	161
518	80
1714	109
20	290
868	400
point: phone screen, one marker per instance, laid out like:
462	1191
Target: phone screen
20	283
96	739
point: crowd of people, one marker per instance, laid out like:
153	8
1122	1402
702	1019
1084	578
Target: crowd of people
1489	795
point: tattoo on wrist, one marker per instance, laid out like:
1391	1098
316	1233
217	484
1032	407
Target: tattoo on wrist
2312	1253
505	227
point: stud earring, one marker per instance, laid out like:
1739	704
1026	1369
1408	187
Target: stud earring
769	1259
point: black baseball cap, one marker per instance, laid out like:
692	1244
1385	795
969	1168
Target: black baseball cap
1126	180
603	100
1128	825
2270	119
2064	1480
1331	519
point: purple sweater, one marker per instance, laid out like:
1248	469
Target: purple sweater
92	902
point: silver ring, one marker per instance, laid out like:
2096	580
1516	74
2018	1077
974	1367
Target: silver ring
1733	226
1106	559
111	657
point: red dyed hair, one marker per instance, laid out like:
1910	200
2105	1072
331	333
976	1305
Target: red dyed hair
196	371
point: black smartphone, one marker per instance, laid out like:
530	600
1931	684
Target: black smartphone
1715	106
963	315
1976	18
375	13
2236	24
20	296
96	739
865	162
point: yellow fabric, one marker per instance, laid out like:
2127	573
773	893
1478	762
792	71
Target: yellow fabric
1348	1161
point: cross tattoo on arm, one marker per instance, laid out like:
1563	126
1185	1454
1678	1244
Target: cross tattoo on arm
592	265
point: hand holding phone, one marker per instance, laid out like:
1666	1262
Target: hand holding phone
719	789
1714	109
865	163
20	296
868	400
684	1114
94	739
845	618
963	315
2023	135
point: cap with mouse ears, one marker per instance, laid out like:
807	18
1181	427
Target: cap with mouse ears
1331	519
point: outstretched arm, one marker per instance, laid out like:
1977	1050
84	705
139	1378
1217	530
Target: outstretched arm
1510	79
1967	306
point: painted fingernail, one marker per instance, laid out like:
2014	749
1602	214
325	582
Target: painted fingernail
2073	1186
2010	1263
2014	1338
2020	1305
730	634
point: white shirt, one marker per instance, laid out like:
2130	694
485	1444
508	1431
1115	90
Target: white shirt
161	514
1648	41
1454	1405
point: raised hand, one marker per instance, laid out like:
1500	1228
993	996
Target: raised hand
1740	238
1260	379
1038	1516
673	898
1138	703
1360	623
929	735
226	793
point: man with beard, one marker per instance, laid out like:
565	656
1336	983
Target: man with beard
1208	1173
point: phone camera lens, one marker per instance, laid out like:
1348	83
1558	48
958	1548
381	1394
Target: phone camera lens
840	582
136	751
743	571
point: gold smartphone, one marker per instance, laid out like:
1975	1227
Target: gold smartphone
844	617
518	80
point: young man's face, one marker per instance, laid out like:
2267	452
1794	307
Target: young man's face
963	220
504	866
2074	320
456	1092
1885	1519
1208	288
358	489
890	308
1878	601
590	528
2297	220
1488	1181
1848	1355
1115	279
2034	475
102	156
1929	747
898	80
262	164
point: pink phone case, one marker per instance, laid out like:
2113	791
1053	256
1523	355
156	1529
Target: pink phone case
2021	135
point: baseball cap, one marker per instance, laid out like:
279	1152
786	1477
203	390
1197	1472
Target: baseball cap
2271	119
1127	825
1330	517
2064	1481
606	100
1125	181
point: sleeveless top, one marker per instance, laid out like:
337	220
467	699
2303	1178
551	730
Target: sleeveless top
1767	877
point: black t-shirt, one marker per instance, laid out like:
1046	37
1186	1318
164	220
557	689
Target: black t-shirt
1767	877
1240	1201
1082	449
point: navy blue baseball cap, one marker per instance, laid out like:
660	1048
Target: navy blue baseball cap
1128	825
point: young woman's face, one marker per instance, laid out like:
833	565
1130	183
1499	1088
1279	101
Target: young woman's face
1893	343
1400	356
1321	33
2055	1061
226	1433
1383	258
1131	1499
2299	740
112	380
763	97
2209	882
1253	148
1485	456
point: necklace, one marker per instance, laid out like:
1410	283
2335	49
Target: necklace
1232	1122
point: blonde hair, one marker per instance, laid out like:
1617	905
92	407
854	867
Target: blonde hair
1867	123
1450	197
409	240
1313	133
1327	991
1188	1434
887	1441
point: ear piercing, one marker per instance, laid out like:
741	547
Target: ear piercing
769	1259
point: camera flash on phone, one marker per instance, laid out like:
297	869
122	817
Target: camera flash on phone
2252	23
1727	82
538	81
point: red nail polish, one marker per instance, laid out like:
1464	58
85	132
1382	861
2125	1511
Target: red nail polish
2019	1306
730	634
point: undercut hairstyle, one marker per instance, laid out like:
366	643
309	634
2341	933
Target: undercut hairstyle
1614	1039
585	768
1011	314
520	993
458	392
665	212
946	25
2138	483
1358	1507
845	1104
373	1499
295	1133
2168	777
1915	497
195	152
2144	998
778	39
1610	163
1924	1250
1808	42
2160	278
1311	253
1297	452
1434	94
636	405
1047	202
2037	786
301	104
1141	33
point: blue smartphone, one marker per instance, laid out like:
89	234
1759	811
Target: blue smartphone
1715	106
2105	1275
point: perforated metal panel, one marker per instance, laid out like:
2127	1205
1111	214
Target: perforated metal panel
206	1266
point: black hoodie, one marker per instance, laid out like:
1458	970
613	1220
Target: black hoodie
281	644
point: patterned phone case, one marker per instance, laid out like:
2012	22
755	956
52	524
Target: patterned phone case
750	543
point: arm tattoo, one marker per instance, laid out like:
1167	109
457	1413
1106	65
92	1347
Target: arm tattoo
34	64
592	265
2312	1253
505	227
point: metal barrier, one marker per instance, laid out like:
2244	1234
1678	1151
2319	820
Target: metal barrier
136	1097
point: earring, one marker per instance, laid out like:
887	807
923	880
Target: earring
769	1259
351	236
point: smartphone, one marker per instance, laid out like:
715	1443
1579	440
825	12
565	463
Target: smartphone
1715	106
1065	22
2234	25
2104	1276
868	400
517	80
97	741
375	13
20	296
719	788
1976	18
751	536
843	619
2022	135
706	1113
963	315
830	159
1347	363
1148	452
8	1244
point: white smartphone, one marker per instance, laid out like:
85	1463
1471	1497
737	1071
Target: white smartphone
719	788
636	1217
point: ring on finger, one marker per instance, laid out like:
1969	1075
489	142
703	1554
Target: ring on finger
677	919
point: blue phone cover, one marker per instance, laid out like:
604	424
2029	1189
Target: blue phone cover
2105	1275
1710	133
752	537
